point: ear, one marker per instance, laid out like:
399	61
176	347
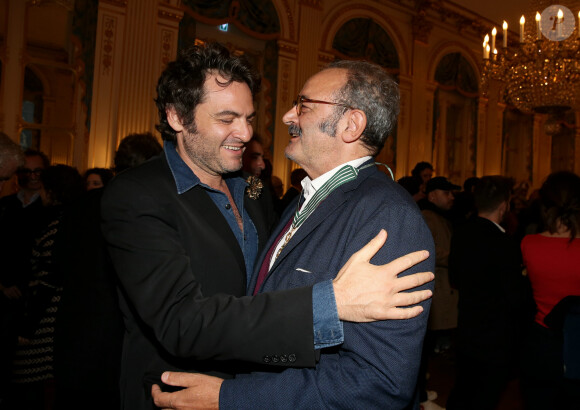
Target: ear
505	207
173	119
356	124
431	196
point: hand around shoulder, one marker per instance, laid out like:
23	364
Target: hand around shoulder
200	391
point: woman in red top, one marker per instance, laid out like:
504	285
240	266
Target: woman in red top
552	259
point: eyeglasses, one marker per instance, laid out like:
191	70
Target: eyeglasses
28	171
301	100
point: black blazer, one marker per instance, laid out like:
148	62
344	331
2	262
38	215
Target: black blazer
485	265
183	279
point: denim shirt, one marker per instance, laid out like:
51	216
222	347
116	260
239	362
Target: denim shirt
185	179
328	329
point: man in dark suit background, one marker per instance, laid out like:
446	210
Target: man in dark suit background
89	326
485	265
340	120
183	231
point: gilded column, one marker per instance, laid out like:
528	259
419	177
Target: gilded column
481	135
420	142
310	23
135	40
287	56
419	146
106	83
542	151
494	143
13	67
404	127
149	44
490	149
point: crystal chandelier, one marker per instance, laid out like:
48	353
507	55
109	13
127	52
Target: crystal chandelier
540	71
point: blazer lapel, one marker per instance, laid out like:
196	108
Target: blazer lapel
201	204
330	205
288	213
254	209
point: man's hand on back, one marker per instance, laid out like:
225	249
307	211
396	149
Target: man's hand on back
366	293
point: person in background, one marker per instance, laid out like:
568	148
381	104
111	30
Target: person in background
97	178
253	158
21	219
11	158
422	172
135	149
29	184
485	265
89	327
296	177
551	260
435	208
33	368
413	187
277	187
463	204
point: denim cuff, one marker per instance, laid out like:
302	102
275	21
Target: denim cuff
327	327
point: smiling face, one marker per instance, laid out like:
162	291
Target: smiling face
313	134
223	125
29	175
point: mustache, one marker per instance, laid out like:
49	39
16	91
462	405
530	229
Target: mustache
294	129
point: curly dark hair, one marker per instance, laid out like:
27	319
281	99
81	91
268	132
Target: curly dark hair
181	85
372	90
105	173
420	167
135	149
62	183
560	202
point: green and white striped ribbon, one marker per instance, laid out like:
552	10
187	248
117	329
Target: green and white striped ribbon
344	175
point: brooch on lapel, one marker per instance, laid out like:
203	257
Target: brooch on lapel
254	188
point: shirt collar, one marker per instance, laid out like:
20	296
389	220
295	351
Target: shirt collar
20	196
184	177
310	186
498	226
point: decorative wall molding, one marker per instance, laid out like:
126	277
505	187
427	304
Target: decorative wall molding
170	14
284	89
339	16
325	57
67	4
315	4
289	18
288	49
108	45
421	29
167	41
118	3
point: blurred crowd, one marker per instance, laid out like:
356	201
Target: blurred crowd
507	287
